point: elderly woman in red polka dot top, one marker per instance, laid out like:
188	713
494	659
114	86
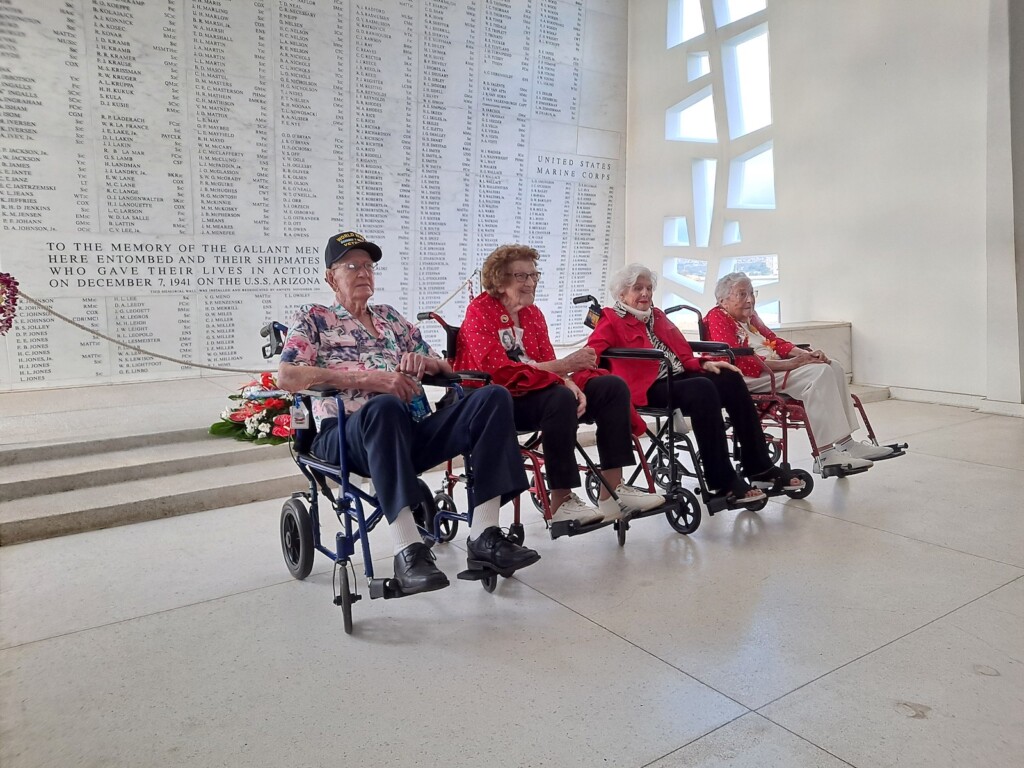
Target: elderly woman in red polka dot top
808	376
505	334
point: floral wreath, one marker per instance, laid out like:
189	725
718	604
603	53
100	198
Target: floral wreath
8	301
260	413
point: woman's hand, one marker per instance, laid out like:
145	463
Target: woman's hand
583	359
581	399
717	366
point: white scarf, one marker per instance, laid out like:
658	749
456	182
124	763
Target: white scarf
643	316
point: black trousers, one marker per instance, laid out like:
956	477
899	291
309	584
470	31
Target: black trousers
701	396
553	412
384	443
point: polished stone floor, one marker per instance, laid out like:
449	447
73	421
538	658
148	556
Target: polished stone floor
878	622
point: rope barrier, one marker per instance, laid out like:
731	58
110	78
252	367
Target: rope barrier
467	283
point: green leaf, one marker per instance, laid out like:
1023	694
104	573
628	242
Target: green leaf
225	428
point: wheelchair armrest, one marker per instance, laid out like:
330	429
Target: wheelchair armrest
466	376
319	390
743	351
630	353
719	348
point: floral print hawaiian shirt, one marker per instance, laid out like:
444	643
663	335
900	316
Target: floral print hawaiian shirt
329	337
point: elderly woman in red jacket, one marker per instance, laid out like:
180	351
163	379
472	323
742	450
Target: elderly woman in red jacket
505	334
700	388
808	376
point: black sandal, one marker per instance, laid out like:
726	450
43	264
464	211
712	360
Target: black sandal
737	495
775	480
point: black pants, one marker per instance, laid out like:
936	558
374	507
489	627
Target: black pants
701	396
553	412
384	443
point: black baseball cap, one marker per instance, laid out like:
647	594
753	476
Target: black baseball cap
343	242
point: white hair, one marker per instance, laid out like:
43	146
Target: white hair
725	284
623	279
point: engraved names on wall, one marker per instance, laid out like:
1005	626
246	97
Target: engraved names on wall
170	169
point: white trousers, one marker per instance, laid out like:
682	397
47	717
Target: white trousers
825	396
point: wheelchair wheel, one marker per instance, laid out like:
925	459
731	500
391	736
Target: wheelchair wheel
662	473
774	449
489	582
593	485
537	502
297	538
345	599
686	518
620	532
804	475
447	528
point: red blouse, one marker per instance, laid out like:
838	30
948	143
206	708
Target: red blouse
480	346
630	331
722	327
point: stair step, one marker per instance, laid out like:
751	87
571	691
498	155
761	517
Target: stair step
105	467
134	501
19	453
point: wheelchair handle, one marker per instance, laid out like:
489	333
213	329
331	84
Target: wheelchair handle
584	299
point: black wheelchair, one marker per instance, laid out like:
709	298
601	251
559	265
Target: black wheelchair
300	516
667	442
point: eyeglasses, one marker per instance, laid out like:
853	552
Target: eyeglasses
744	294
522	277
352	267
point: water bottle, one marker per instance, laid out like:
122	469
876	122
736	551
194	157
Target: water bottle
419	406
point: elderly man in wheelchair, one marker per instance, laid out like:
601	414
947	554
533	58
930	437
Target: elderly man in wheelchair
377	359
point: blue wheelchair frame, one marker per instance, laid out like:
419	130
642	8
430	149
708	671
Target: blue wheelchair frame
300	527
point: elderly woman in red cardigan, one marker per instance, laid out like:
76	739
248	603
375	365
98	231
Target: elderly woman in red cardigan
505	334
700	388
807	376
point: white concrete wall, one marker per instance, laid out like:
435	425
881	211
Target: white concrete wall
880	113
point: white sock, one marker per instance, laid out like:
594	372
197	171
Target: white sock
404	531
484	516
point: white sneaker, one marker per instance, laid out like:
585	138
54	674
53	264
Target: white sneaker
610	509
636	500
679	425
574	508
840	458
866	450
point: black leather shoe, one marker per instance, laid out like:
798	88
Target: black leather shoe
493	550
415	571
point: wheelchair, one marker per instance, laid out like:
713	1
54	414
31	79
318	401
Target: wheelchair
782	412
357	510
666	443
680	507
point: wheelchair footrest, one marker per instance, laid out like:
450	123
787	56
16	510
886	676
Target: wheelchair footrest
841	470
483	569
714	504
898	449
386	588
573	528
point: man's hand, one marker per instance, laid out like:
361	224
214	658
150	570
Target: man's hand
414	364
397	383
